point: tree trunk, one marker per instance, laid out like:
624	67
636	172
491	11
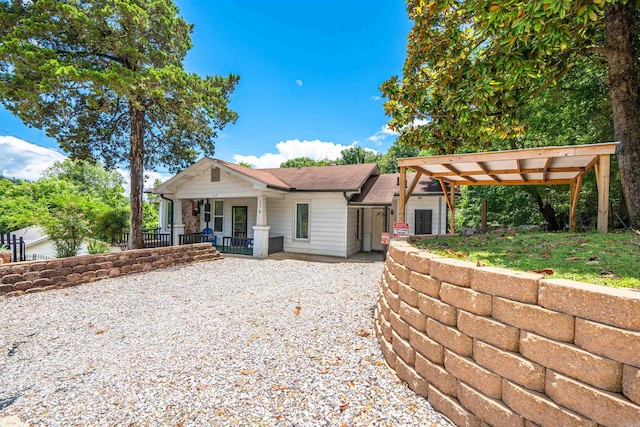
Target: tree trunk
623	94
548	213
136	166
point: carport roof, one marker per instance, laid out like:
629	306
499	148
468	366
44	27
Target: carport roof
546	165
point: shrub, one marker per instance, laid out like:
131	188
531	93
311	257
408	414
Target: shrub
98	247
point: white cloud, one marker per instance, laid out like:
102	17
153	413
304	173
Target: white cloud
383	133
375	98
294	148
299	82
24	160
419	122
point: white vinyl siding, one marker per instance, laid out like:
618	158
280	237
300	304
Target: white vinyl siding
353	238
327	225
438	218
201	187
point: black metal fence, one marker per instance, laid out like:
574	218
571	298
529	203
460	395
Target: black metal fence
237	245
189	238
15	244
152	237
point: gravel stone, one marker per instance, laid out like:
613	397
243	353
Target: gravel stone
237	341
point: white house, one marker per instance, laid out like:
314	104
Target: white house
38	244
322	210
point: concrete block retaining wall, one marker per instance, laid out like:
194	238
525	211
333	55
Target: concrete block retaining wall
36	276
490	345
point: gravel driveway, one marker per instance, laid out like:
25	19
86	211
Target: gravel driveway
232	342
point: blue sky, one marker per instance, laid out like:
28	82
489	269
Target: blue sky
309	77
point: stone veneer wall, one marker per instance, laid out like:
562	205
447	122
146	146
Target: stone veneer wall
490	345
36	276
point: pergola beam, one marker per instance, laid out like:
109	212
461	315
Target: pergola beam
416	179
530	153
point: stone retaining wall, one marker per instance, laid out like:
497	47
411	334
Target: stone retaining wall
36	276
490	345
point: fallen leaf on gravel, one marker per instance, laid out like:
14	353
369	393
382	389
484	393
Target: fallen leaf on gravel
298	308
102	331
278	387
351	383
358	347
255	336
90	325
203	386
324	371
248	371
544	271
363	333
343	407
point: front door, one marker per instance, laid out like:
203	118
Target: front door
239	217
376	229
423	221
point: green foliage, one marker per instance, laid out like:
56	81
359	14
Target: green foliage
246	165
472	68
388	163
304	162
566	255
107	185
150	216
67	224
106	80
471	65
357	155
111	222
98	247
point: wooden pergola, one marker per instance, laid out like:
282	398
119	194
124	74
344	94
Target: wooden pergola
534	166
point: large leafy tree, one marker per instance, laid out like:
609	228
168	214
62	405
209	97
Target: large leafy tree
472	65
105	78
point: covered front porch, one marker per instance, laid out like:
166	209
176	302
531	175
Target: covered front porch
235	225
218	202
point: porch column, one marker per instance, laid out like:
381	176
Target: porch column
178	226
162	216
261	230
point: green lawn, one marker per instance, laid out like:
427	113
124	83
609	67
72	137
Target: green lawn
604	259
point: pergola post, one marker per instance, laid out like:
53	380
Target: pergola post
451	203
574	193
602	177
452	218
403	194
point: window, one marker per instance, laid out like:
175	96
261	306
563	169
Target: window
217	216
302	221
